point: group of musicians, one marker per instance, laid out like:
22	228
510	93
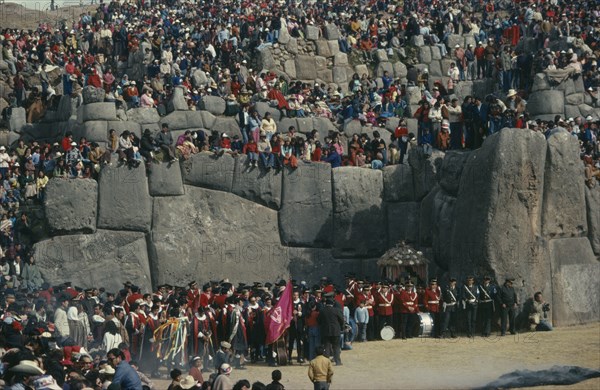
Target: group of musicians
220	318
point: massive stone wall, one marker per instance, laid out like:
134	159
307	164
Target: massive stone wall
514	208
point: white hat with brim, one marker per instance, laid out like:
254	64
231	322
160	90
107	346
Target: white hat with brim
188	382
511	92
27	367
46	382
108	370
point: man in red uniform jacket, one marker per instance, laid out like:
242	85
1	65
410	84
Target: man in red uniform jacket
409	310
384	300
432	304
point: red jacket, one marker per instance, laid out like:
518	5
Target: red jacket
432	300
409	300
384	303
250	148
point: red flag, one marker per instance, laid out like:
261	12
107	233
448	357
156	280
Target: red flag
278	319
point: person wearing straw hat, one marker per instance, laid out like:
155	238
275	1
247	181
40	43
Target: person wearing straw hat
24	374
188	382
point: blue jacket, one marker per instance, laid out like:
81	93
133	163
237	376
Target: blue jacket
126	376
334	159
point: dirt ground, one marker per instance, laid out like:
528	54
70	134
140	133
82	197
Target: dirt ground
447	364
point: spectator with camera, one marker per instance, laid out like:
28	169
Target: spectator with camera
538	318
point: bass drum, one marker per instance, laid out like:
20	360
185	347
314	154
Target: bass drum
387	333
425	325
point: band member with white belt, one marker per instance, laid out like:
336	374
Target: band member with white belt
449	307
432	304
384	300
470	299
409	310
486	305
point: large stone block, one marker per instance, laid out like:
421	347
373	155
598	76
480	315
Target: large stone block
92	94
426	220
575	273
567	86
292	46
451	170
262	108
455	39
290	68
176	120
223	235
306	67
400	70
124	202
425	54
361	69
311	33
195	119
592	208
323	48
265	58
540	82
572	111
334	47
93	131
208	119
97	112
143	115
331	31
257	184
306	215
564	193
210	171
435	69
227	125
383	67
398	183
443	219
413	95
402	222
575	99
320	63
164	179
18	119
213	104
359	218
325	76
104	258
417	40
546	103
71	205
425	169
381	55
498	210
339	75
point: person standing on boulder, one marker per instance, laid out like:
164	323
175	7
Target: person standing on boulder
507	300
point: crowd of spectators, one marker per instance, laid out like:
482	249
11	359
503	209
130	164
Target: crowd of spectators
222	39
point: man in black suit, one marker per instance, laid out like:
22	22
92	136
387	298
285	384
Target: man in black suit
331	323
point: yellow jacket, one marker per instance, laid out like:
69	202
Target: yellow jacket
320	369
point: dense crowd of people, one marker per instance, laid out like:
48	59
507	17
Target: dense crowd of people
91	337
169	43
80	338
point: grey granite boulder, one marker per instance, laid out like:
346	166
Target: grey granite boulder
71	205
